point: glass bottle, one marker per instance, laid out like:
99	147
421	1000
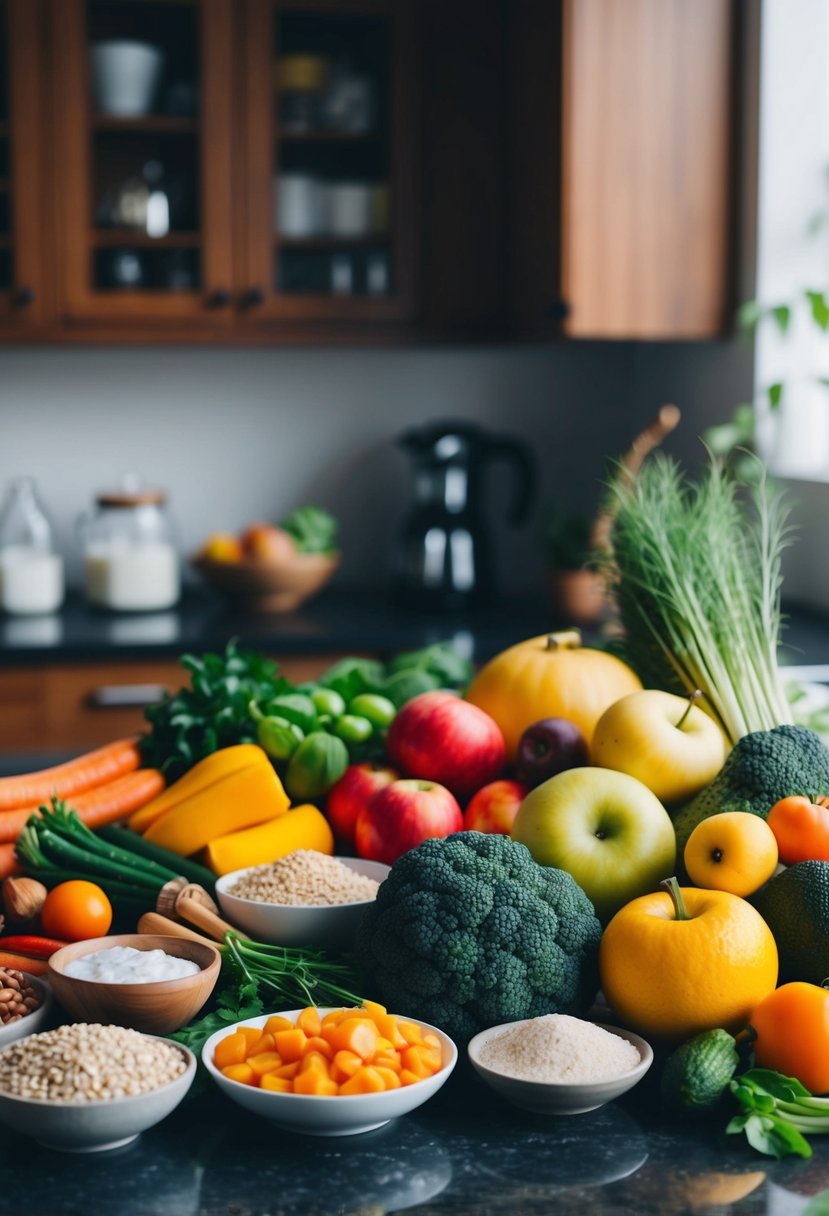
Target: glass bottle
31	571
131	561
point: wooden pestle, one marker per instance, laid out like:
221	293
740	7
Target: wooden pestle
154	922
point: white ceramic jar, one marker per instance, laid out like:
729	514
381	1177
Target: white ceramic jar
131	561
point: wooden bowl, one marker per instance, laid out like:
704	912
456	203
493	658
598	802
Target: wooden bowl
269	586
158	1007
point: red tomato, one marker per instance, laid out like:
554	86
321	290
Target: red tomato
76	910
801	828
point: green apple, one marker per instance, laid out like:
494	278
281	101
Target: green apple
604	828
667	742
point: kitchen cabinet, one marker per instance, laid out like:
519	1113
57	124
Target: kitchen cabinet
23	253
70	707
211	209
369	171
623	118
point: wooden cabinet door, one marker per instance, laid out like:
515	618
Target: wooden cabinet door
329	231
143	199
23	303
624	121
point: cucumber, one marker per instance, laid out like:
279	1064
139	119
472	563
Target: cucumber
696	1075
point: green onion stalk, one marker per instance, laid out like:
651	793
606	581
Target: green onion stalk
695	573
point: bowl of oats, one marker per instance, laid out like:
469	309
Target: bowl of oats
84	1087
305	898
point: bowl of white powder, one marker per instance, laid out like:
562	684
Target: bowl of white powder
559	1065
305	898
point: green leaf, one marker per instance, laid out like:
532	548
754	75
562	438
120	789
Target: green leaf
775	393
782	315
819	307
766	1080
748	315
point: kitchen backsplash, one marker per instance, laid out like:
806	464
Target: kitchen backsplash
237	435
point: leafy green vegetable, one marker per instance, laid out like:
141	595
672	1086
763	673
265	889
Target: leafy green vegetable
441	660
469	931
313	529
256	975
695	569
350	677
777	1113
213	712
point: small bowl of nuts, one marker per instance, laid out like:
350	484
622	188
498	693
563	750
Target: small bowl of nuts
85	1087
25	1004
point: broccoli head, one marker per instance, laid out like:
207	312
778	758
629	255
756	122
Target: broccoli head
762	768
469	931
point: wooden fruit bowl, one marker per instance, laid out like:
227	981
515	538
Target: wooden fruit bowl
158	1007
259	586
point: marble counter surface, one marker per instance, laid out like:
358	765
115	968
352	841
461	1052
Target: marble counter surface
464	1153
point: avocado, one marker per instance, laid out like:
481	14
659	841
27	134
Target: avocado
795	906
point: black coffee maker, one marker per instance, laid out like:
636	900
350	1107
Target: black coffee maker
443	557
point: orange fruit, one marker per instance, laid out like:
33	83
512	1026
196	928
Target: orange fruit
734	851
672	978
75	910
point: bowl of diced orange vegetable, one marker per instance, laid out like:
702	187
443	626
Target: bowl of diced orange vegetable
330	1072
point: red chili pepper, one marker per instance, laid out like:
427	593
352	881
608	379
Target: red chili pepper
33	947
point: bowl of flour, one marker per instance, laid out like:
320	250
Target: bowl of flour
558	1064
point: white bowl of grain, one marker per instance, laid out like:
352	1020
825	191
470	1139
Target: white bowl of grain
303	899
85	1087
559	1065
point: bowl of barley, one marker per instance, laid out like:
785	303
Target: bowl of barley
305	898
85	1087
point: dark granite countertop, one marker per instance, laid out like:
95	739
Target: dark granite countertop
465	1152
341	622
336	622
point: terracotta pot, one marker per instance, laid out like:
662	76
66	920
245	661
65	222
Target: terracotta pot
578	596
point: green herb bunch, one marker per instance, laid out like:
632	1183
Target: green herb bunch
213	712
695	572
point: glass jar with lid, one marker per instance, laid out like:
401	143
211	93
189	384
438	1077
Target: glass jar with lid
31	571
131	561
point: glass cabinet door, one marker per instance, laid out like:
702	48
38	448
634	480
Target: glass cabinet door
329	151
143	158
22	302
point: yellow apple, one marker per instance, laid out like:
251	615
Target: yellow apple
604	828
671	746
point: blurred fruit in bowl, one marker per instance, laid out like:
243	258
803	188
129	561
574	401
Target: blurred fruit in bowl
221	547
269	567
267	543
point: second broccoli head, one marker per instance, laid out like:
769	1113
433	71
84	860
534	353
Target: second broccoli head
469	931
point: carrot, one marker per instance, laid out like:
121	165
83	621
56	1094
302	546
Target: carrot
8	861
95	807
84	772
19	962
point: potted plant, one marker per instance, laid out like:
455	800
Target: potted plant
577	589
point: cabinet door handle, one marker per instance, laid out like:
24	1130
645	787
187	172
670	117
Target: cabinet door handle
253	297
125	696
218	299
23	297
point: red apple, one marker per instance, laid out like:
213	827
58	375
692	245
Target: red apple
494	807
401	815
352	792
550	746
267	543
440	737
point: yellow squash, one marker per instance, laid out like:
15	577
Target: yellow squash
203	774
304	827
239	800
552	676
